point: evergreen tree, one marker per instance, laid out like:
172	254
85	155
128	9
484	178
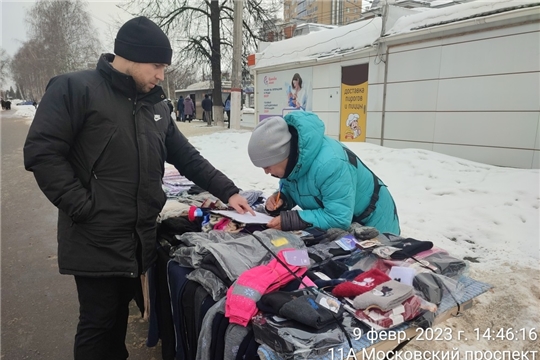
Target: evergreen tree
11	93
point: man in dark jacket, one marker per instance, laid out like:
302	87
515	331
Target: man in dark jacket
180	109
97	148
207	107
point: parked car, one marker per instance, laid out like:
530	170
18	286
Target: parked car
26	102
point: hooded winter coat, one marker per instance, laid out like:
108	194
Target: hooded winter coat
97	149
331	185
189	107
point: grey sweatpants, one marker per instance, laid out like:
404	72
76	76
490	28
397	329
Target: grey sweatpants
208	115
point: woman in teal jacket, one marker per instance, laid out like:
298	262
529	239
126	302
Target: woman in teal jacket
321	175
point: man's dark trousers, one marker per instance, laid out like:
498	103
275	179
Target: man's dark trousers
103	314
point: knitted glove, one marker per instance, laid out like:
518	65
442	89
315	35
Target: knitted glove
290	220
242	296
363	232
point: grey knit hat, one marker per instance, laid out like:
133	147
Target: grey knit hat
270	142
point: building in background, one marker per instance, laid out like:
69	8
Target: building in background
301	17
279	30
197	91
376	7
330	12
461	81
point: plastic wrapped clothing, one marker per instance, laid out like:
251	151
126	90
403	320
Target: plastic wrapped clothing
293	340
235	253
295	348
210	282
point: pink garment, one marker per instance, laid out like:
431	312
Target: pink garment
242	296
222	224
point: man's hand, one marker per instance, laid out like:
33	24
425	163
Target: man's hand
275	223
240	204
272	203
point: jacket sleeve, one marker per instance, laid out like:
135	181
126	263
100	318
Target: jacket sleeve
291	221
58	119
190	163
337	188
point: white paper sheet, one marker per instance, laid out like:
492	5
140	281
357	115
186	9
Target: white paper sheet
246	218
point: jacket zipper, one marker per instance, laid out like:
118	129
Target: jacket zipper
93	170
136	238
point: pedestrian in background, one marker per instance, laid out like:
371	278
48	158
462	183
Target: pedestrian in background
170	105
207	107
227	109
180	109
99	158
189	109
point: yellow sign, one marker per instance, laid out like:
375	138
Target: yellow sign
353	114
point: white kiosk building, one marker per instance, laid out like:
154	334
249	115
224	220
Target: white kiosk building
462	80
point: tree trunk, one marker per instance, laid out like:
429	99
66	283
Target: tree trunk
216	63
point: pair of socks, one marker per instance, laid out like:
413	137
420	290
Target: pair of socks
299	305
385	296
410	309
307	311
409	248
404	250
273	302
364	282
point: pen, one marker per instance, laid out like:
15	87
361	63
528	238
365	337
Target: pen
278	196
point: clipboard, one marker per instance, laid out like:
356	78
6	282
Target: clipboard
246	218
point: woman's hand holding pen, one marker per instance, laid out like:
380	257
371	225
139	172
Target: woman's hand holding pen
274	202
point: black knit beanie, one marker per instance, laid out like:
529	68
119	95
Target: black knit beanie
141	40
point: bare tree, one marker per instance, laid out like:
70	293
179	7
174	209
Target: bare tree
65	28
62	40
203	29
176	78
4	67
28	72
